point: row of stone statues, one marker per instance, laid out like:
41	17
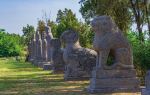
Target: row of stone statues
76	62
82	63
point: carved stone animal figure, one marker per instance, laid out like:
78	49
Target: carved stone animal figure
79	61
109	41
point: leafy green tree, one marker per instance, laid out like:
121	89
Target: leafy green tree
117	9
124	12
141	14
141	54
86	35
66	20
10	44
41	26
53	26
28	32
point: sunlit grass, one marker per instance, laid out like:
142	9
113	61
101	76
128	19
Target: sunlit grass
22	78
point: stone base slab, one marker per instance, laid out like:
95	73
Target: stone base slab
41	64
113	90
47	67
114	83
145	91
107	81
114	73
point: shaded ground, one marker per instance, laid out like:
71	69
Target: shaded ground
20	78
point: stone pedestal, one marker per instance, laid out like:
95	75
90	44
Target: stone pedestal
104	81
56	56
145	91
47	66
42	63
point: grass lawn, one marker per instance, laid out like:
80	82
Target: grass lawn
20	78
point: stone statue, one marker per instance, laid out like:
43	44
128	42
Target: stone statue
44	46
147	80
146	91
38	49
79	61
49	36
109	42
57	56
29	57
44	51
33	48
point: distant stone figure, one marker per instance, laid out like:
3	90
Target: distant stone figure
38	49
44	51
29	54
79	61
33	56
110	42
147	80
44	46
146	91
57	56
49	36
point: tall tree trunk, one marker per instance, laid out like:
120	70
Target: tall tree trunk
136	12
147	18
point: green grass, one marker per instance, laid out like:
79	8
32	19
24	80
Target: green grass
22	78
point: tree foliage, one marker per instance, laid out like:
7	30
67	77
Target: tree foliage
141	54
124	12
10	44
66	19
28	32
117	9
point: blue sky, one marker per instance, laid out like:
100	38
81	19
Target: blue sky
14	14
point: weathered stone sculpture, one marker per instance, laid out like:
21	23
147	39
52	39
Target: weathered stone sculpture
44	47
33	54
147	80
38	49
49	36
57	56
79	61
146	91
44	50
29	57
109	42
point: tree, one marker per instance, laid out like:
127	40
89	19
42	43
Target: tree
53	26
117	9
66	19
28	32
124	12
138	16
41	26
10	44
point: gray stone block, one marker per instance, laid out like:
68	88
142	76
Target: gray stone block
47	67
125	73
109	42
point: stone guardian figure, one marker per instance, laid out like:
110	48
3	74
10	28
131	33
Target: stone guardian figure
109	42
49	36
79	61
